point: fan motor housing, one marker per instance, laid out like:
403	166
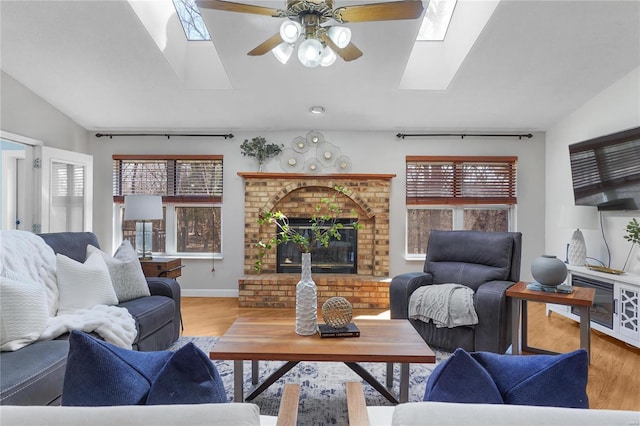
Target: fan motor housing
321	8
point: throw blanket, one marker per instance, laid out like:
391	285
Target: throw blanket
24	254
447	305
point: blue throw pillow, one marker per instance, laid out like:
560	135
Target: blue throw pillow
461	379
100	374
548	380
484	377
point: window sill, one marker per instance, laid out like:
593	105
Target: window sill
415	258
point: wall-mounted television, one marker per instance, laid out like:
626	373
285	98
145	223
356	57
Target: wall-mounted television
606	171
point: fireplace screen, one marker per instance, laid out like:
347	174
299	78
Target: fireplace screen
340	257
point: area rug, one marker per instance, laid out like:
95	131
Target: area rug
323	397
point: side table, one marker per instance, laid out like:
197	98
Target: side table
581	298
169	267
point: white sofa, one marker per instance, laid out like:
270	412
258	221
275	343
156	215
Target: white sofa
229	414
453	414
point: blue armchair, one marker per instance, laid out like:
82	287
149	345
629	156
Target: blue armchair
488	263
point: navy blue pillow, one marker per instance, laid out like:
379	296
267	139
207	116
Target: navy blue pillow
100	374
547	380
544	380
461	379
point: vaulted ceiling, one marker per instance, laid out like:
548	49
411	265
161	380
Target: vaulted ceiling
533	63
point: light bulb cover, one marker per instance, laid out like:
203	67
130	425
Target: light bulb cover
310	53
283	52
290	31
341	36
328	57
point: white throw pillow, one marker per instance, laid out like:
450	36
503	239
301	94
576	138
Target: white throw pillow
84	285
24	312
126	272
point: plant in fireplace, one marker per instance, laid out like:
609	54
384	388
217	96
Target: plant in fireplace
325	227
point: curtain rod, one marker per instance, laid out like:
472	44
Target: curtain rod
463	135
168	136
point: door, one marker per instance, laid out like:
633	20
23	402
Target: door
67	191
17	183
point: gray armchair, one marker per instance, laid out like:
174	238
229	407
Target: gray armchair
488	263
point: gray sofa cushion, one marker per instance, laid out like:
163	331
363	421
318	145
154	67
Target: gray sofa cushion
151	313
34	374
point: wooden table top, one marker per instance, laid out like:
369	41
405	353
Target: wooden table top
581	296
275	339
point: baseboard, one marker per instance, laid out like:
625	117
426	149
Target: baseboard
185	292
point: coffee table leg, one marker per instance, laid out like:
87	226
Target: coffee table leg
372	381
238	374
585	329
404	382
255	371
390	375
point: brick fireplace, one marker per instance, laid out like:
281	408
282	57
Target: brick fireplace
297	195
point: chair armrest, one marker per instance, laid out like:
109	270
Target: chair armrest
400	291
288	411
356	405
161	286
493	331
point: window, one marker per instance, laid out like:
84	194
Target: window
191	189
191	20
447	193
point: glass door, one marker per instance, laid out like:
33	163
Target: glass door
67	185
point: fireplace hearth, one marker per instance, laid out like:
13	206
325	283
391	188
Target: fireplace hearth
339	257
297	194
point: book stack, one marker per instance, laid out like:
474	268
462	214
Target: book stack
351	330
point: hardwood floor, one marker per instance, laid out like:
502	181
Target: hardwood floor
614	373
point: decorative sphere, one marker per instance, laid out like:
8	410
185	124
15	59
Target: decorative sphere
337	312
549	270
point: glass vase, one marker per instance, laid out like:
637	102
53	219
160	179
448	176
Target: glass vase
306	300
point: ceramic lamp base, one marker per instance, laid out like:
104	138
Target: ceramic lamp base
577	254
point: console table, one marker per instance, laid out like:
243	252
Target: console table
582	298
624	303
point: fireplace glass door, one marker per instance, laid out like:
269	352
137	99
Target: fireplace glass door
339	257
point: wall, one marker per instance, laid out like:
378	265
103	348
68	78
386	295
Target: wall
616	108
370	152
26	114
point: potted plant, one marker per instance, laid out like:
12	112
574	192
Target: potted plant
324	227
633	236
260	150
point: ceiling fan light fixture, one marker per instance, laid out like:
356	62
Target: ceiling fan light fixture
328	57
283	52
310	53
290	31
341	36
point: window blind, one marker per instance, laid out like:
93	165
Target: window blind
461	180
178	179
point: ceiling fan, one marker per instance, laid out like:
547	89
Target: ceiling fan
306	19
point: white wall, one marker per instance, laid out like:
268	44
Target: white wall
370	152
26	114
616	108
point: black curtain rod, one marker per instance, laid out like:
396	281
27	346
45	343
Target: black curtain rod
463	135
168	136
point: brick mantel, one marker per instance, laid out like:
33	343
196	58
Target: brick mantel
296	195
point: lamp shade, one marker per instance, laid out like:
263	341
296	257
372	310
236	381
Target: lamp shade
290	31
579	217
310	53
142	207
341	36
283	52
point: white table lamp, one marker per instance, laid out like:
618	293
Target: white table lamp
585	217
143	208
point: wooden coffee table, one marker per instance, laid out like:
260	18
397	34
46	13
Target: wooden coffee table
387	341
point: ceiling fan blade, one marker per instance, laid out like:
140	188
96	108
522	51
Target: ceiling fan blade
408	9
267	45
237	7
348	53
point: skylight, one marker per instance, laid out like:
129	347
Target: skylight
191	20
436	20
